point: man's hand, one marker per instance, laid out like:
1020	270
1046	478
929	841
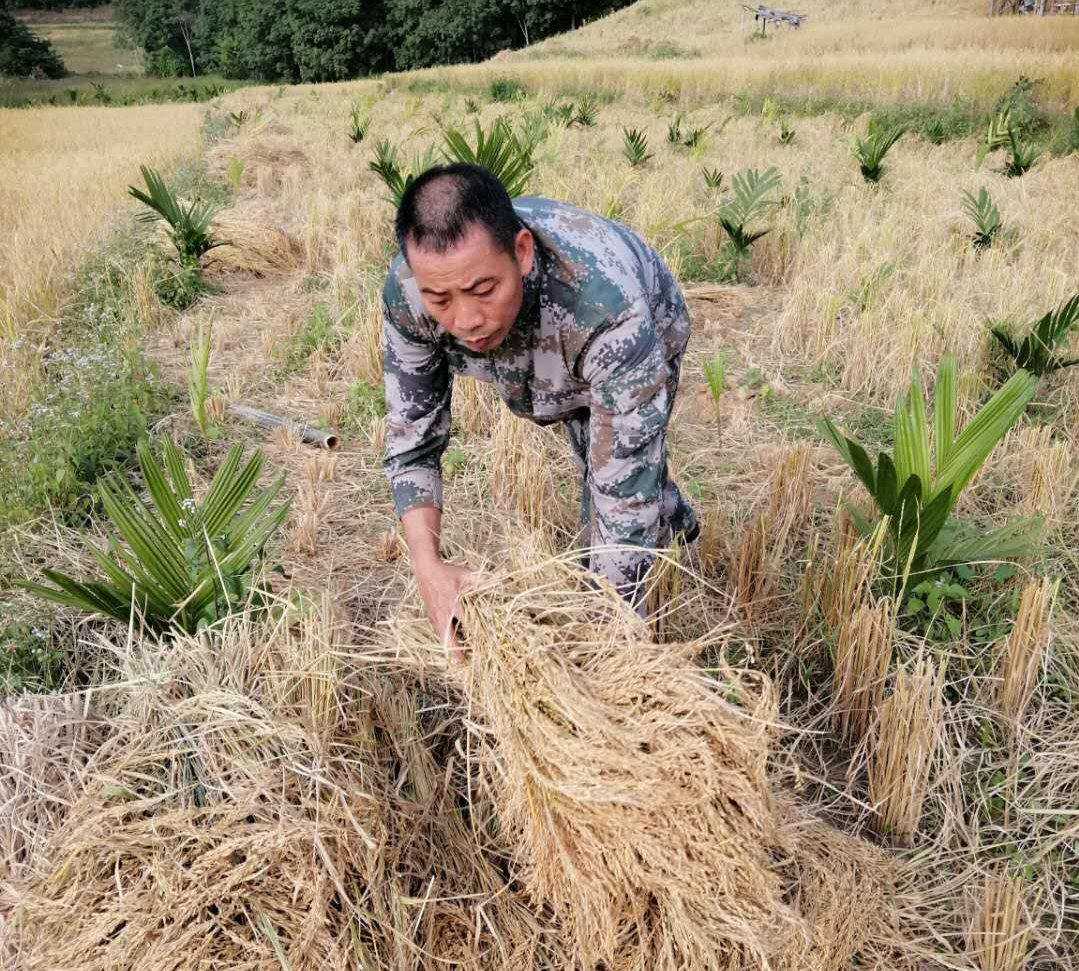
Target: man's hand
441	585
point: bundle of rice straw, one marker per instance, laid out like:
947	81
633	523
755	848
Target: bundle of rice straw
632	785
274	800
254	246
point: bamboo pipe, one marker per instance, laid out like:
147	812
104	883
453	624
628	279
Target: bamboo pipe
306	433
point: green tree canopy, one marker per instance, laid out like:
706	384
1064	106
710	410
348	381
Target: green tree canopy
23	54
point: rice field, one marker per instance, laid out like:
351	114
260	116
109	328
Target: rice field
781	767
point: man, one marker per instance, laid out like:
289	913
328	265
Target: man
575	319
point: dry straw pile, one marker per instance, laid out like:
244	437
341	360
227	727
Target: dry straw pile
574	797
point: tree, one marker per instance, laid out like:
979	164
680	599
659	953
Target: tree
23	54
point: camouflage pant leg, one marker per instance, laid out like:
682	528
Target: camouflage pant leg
677	515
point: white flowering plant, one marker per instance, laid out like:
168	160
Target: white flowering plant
181	564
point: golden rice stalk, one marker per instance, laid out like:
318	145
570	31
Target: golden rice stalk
475	405
234	386
1045	472
837	585
269	343
361	355
389	546
521	475
320	467
313	501
903	748
998	938
376	433
215	409
664	587
710	545
1024	649
752	582
632	783
330	414
863	653
789	500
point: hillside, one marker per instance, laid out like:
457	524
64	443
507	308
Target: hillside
893	52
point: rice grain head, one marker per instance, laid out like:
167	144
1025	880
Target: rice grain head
863	654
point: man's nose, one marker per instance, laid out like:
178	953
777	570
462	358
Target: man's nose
469	320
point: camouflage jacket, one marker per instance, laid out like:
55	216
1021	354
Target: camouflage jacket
601	323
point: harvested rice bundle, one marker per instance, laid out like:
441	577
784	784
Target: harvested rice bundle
273	800
631	782
253	246
839	884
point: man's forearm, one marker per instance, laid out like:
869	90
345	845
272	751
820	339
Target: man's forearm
423	530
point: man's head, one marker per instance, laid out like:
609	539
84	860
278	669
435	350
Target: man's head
467	250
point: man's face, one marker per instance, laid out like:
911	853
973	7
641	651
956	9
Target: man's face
474	291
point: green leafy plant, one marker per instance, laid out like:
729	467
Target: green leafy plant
507	89
184	563
690	138
985	216
559	112
1004	133
358	126
749	202
587	113
237	118
236	172
389	167
786	133
713	178
715	374
674	131
472	106
454	461
871	150
197	383
635	147
499	150
918	485
1037	351
189	226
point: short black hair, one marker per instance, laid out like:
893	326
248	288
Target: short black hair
443	203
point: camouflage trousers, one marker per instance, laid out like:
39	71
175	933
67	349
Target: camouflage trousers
676	515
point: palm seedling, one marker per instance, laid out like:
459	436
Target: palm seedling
786	133
984	215
358	126
559	113
1002	133
713	178
918	495
390	168
189	226
871	150
689	138
587	112
472	106
500	151
1037	351
748	203
184	563
674	131
635	147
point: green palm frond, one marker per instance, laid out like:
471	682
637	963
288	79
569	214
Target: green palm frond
1037	351
635	147
506	156
182	564
189	225
749	201
985	216
871	150
918	485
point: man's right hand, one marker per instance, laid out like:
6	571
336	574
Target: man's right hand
440	585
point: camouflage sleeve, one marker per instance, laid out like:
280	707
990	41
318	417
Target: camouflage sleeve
417	380
628	372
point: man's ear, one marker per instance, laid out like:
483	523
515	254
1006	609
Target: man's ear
524	248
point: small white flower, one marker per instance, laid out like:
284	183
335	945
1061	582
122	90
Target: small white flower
181	522
188	504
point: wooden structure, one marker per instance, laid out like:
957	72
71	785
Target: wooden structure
780	18
1036	8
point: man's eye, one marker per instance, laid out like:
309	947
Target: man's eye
485	293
